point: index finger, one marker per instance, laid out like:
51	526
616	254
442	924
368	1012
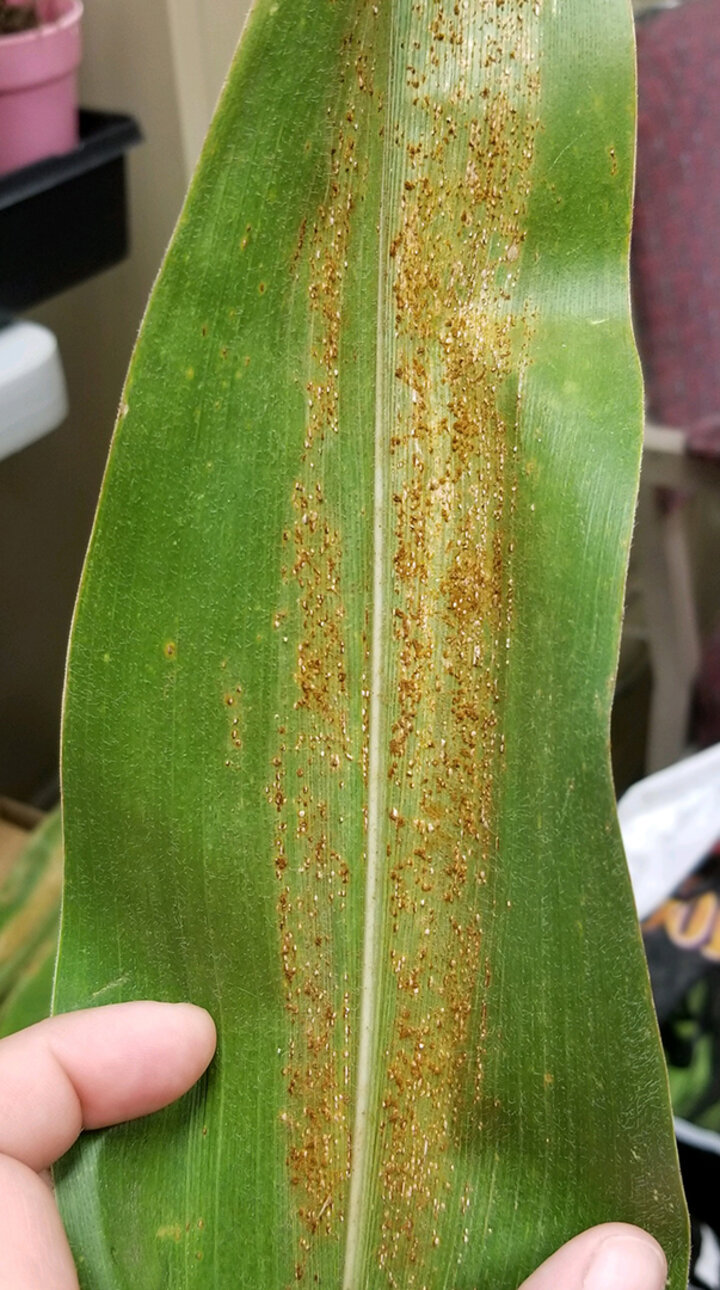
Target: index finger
88	1069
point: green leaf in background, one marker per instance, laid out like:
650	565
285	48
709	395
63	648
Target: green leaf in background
30	999
336	732
29	920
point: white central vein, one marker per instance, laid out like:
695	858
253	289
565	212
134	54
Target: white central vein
370	981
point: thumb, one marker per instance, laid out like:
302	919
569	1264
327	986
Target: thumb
603	1258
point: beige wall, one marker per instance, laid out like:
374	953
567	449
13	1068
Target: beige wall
48	491
201	51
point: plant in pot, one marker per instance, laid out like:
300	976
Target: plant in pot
39	56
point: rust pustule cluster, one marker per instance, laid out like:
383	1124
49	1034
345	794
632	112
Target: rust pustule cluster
466	141
458	142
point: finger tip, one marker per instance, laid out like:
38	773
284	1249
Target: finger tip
188	1042
625	1254
627	1231
199	1030
184	1035
602	1257
131	1059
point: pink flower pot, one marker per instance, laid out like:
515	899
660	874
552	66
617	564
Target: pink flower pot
38	87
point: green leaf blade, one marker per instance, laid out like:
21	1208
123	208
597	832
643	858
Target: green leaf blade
341	670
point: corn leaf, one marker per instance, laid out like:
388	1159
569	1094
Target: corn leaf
336	730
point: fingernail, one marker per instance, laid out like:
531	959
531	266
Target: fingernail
626	1263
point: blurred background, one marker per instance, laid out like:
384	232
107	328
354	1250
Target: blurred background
164	64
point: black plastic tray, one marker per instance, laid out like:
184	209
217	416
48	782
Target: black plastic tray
64	219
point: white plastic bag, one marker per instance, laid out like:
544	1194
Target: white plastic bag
669	822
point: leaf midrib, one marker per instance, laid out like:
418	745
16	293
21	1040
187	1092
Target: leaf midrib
361	1145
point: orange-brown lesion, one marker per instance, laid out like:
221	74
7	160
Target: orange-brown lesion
455	253
320	763
463	151
306	788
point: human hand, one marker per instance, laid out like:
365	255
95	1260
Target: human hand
613	1256
95	1068
83	1070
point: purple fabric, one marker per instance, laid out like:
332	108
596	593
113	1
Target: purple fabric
676	240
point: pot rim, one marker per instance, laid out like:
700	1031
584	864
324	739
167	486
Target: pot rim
45	29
